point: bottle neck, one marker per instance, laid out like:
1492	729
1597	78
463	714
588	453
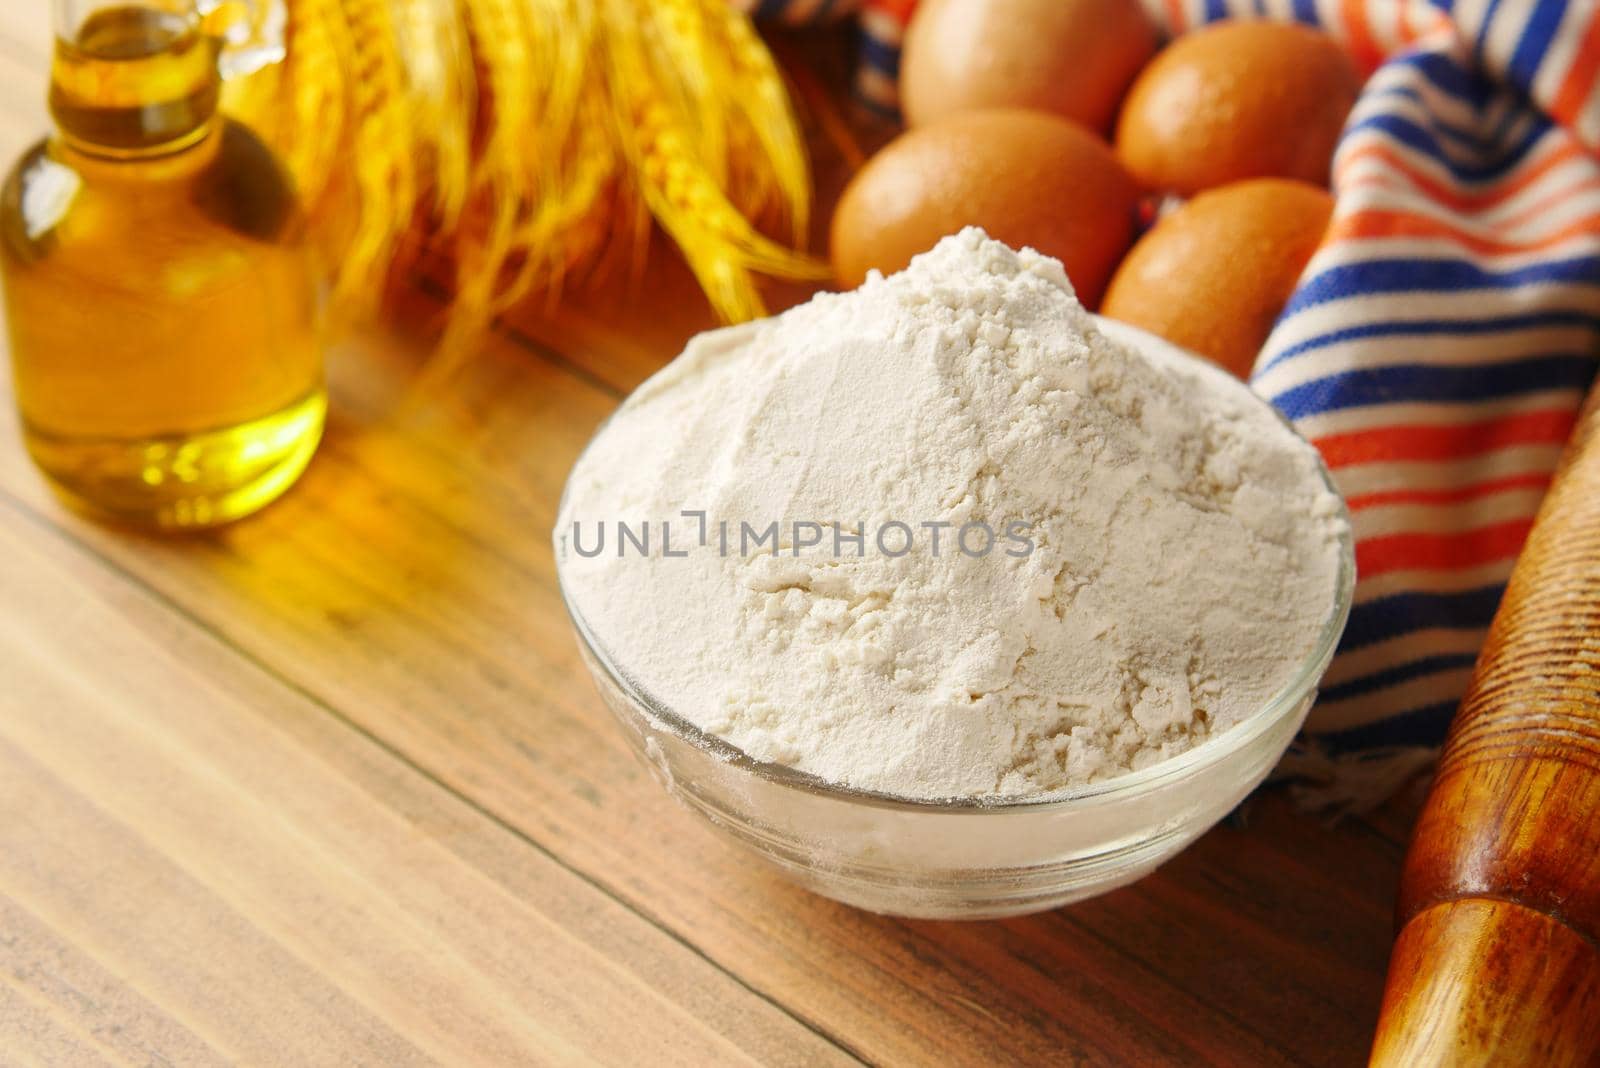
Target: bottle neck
135	81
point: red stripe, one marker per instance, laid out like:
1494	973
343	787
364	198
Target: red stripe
898	10
1374	222
1434	21
1509	224
1577	88
1446	194
1398	444
1453	495
1407	32
1441	552
1358	35
1539	208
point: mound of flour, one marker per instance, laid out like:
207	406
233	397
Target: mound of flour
1163	552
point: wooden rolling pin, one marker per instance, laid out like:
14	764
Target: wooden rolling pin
1498	957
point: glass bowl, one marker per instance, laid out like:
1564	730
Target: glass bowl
965	858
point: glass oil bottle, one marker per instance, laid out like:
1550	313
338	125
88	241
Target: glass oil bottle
159	294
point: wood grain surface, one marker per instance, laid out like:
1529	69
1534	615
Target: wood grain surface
331	787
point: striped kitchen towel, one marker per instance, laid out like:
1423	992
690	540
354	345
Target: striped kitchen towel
1440	341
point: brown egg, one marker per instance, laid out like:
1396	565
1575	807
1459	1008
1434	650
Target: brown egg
1214	275
1073	57
1237	100
1026	177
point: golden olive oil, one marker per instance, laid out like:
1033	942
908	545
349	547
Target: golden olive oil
159	295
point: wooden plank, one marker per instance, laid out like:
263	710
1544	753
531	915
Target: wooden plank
35	1035
276	888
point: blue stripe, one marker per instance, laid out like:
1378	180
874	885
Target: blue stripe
1500	137
1394	676
883	57
1537	124
1305	11
1464	137
1510	119
1493	163
1417	275
1420	726
1483	28
1446	75
1540	30
1402	613
1418	327
1216	9
1400	383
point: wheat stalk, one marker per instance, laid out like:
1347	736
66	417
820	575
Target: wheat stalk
769	117
438	67
721	245
527	138
383	142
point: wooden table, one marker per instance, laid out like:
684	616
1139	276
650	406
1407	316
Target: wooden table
331	787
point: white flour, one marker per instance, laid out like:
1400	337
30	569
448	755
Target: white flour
1184	551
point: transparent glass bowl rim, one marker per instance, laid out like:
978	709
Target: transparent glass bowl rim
1283	703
